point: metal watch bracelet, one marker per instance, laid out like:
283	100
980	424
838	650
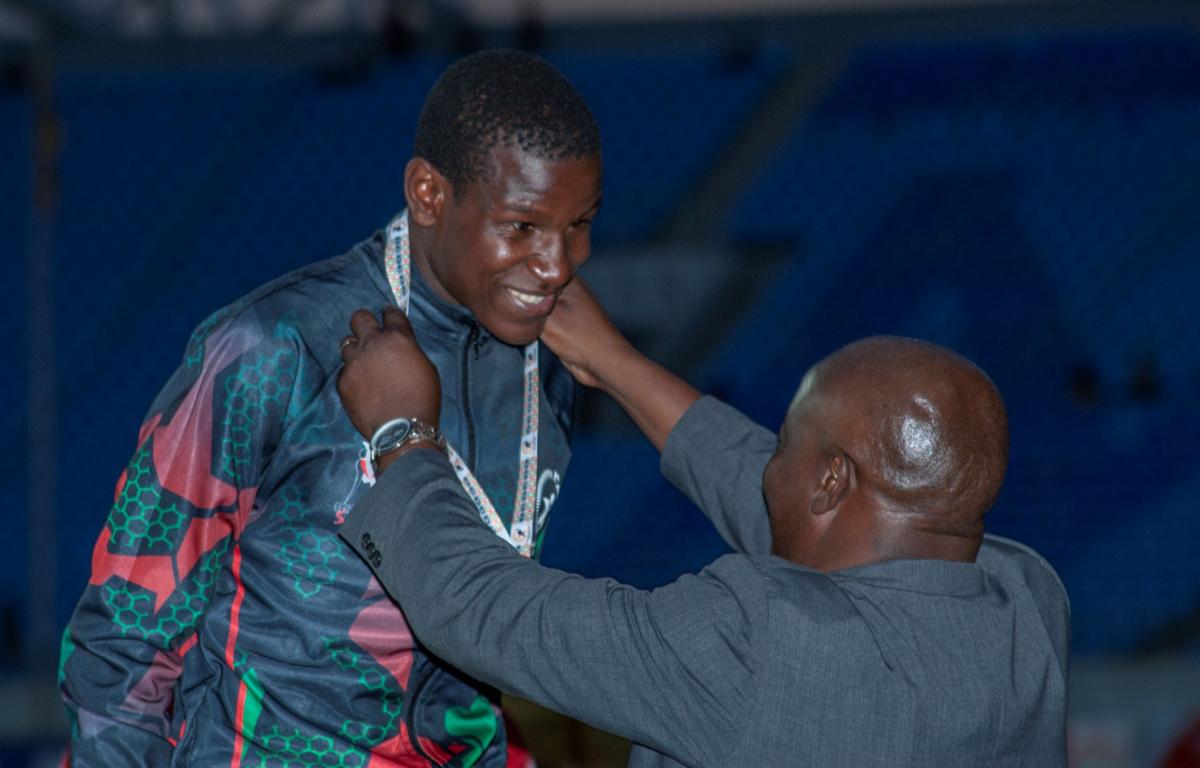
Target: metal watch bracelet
397	433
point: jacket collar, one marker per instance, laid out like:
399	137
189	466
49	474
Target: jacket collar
440	318
452	322
934	577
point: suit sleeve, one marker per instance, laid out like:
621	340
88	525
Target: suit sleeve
627	661
178	510
716	457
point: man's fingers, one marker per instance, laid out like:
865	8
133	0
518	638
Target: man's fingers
395	320
363	324
347	347
577	287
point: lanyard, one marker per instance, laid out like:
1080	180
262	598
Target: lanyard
398	264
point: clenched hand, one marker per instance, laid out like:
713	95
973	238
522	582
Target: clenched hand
386	375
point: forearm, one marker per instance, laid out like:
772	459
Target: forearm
596	650
653	397
716	456
598	355
467	595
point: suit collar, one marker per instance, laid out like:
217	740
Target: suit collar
935	577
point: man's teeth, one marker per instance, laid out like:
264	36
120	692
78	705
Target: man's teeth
527	298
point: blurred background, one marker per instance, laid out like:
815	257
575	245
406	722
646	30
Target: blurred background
1019	181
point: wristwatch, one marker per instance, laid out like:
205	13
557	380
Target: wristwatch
397	433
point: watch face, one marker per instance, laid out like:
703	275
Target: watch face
391	436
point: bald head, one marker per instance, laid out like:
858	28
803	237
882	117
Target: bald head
920	438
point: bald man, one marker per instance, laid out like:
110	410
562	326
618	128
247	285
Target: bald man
866	620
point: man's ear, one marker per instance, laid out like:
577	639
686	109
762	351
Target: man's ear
835	484
426	191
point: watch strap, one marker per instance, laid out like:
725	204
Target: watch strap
382	443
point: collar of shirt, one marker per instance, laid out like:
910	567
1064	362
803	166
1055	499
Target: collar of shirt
934	577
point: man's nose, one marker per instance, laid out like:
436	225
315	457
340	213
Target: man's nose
552	263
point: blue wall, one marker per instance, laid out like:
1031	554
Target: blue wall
16	128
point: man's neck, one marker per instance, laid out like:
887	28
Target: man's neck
421	248
914	544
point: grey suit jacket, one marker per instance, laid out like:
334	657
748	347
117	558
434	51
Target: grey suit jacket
756	661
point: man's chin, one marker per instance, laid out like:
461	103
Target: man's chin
516	334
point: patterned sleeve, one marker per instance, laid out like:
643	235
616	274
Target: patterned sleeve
178	510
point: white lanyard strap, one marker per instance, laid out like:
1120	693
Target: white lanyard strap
398	265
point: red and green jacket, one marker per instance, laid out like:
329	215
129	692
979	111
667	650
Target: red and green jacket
224	622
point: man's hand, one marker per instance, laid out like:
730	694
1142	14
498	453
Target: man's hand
583	337
597	355
386	375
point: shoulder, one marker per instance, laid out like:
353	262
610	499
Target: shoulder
1022	570
317	300
730	592
1013	561
741	574
754	590
307	310
768	579
717	624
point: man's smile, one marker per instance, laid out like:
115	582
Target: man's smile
532	304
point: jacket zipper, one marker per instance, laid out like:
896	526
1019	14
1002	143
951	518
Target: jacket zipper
471	349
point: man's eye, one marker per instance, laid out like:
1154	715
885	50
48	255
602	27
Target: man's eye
522	226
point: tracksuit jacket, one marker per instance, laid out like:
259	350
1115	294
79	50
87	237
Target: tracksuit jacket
224	622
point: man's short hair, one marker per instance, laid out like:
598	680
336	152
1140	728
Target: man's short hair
502	98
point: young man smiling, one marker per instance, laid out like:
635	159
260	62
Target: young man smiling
224	623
